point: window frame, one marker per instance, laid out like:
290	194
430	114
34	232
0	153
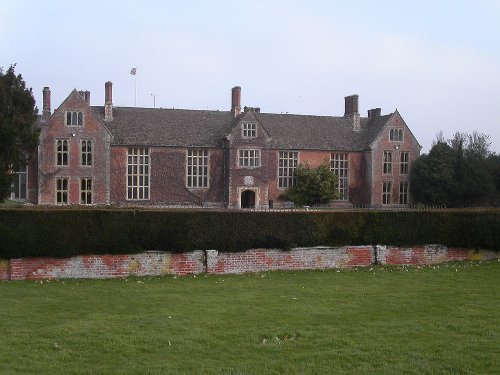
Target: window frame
245	161
62	153
404	188
74	116
386	193
85	190
387	162
64	192
287	180
249	130
339	165
16	189
84	154
404	165
396	135
138	191
205	175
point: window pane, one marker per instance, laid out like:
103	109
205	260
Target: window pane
196	170
137	173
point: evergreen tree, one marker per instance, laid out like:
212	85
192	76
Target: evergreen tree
18	134
313	185
432	176
459	172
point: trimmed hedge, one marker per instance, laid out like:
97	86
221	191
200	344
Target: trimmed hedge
68	232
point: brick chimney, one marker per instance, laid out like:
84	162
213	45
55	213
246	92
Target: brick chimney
236	100
85	96
46	102
374	112
251	109
108	101
352	111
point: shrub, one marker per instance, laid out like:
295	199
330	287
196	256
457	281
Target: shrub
67	232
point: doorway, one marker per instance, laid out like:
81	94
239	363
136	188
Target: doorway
248	199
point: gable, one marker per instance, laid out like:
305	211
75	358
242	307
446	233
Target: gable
393	129
247	130
74	114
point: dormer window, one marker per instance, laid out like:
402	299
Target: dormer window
396	135
74	118
249	130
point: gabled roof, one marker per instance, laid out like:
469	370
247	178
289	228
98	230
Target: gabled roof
199	128
74	95
374	128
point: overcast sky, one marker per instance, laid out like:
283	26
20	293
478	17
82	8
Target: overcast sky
437	62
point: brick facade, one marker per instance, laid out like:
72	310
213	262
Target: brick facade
396	148
54	128
168	178
155	263
167	135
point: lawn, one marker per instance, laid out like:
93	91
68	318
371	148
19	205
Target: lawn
381	320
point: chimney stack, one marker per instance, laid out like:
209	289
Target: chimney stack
352	111
251	109
46	102
85	96
236	100
374	112
108	101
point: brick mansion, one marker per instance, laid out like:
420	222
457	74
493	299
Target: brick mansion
239	158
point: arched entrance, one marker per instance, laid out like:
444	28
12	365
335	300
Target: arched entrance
248	199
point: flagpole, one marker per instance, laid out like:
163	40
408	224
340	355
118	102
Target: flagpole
133	72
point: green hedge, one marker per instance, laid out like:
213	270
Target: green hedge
67	232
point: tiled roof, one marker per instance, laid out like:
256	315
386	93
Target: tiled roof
168	127
319	132
196	128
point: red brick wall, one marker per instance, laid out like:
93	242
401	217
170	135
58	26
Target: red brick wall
430	254
107	266
259	260
168	178
260	176
383	143
211	261
93	130
118	175
357	186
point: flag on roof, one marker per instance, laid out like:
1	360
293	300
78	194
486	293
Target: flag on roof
133	71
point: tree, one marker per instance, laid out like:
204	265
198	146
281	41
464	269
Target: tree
432	176
493	164
313	185
456	172
472	146
18	134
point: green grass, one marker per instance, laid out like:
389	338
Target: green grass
380	320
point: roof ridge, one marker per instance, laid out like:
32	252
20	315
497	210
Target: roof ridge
170	109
